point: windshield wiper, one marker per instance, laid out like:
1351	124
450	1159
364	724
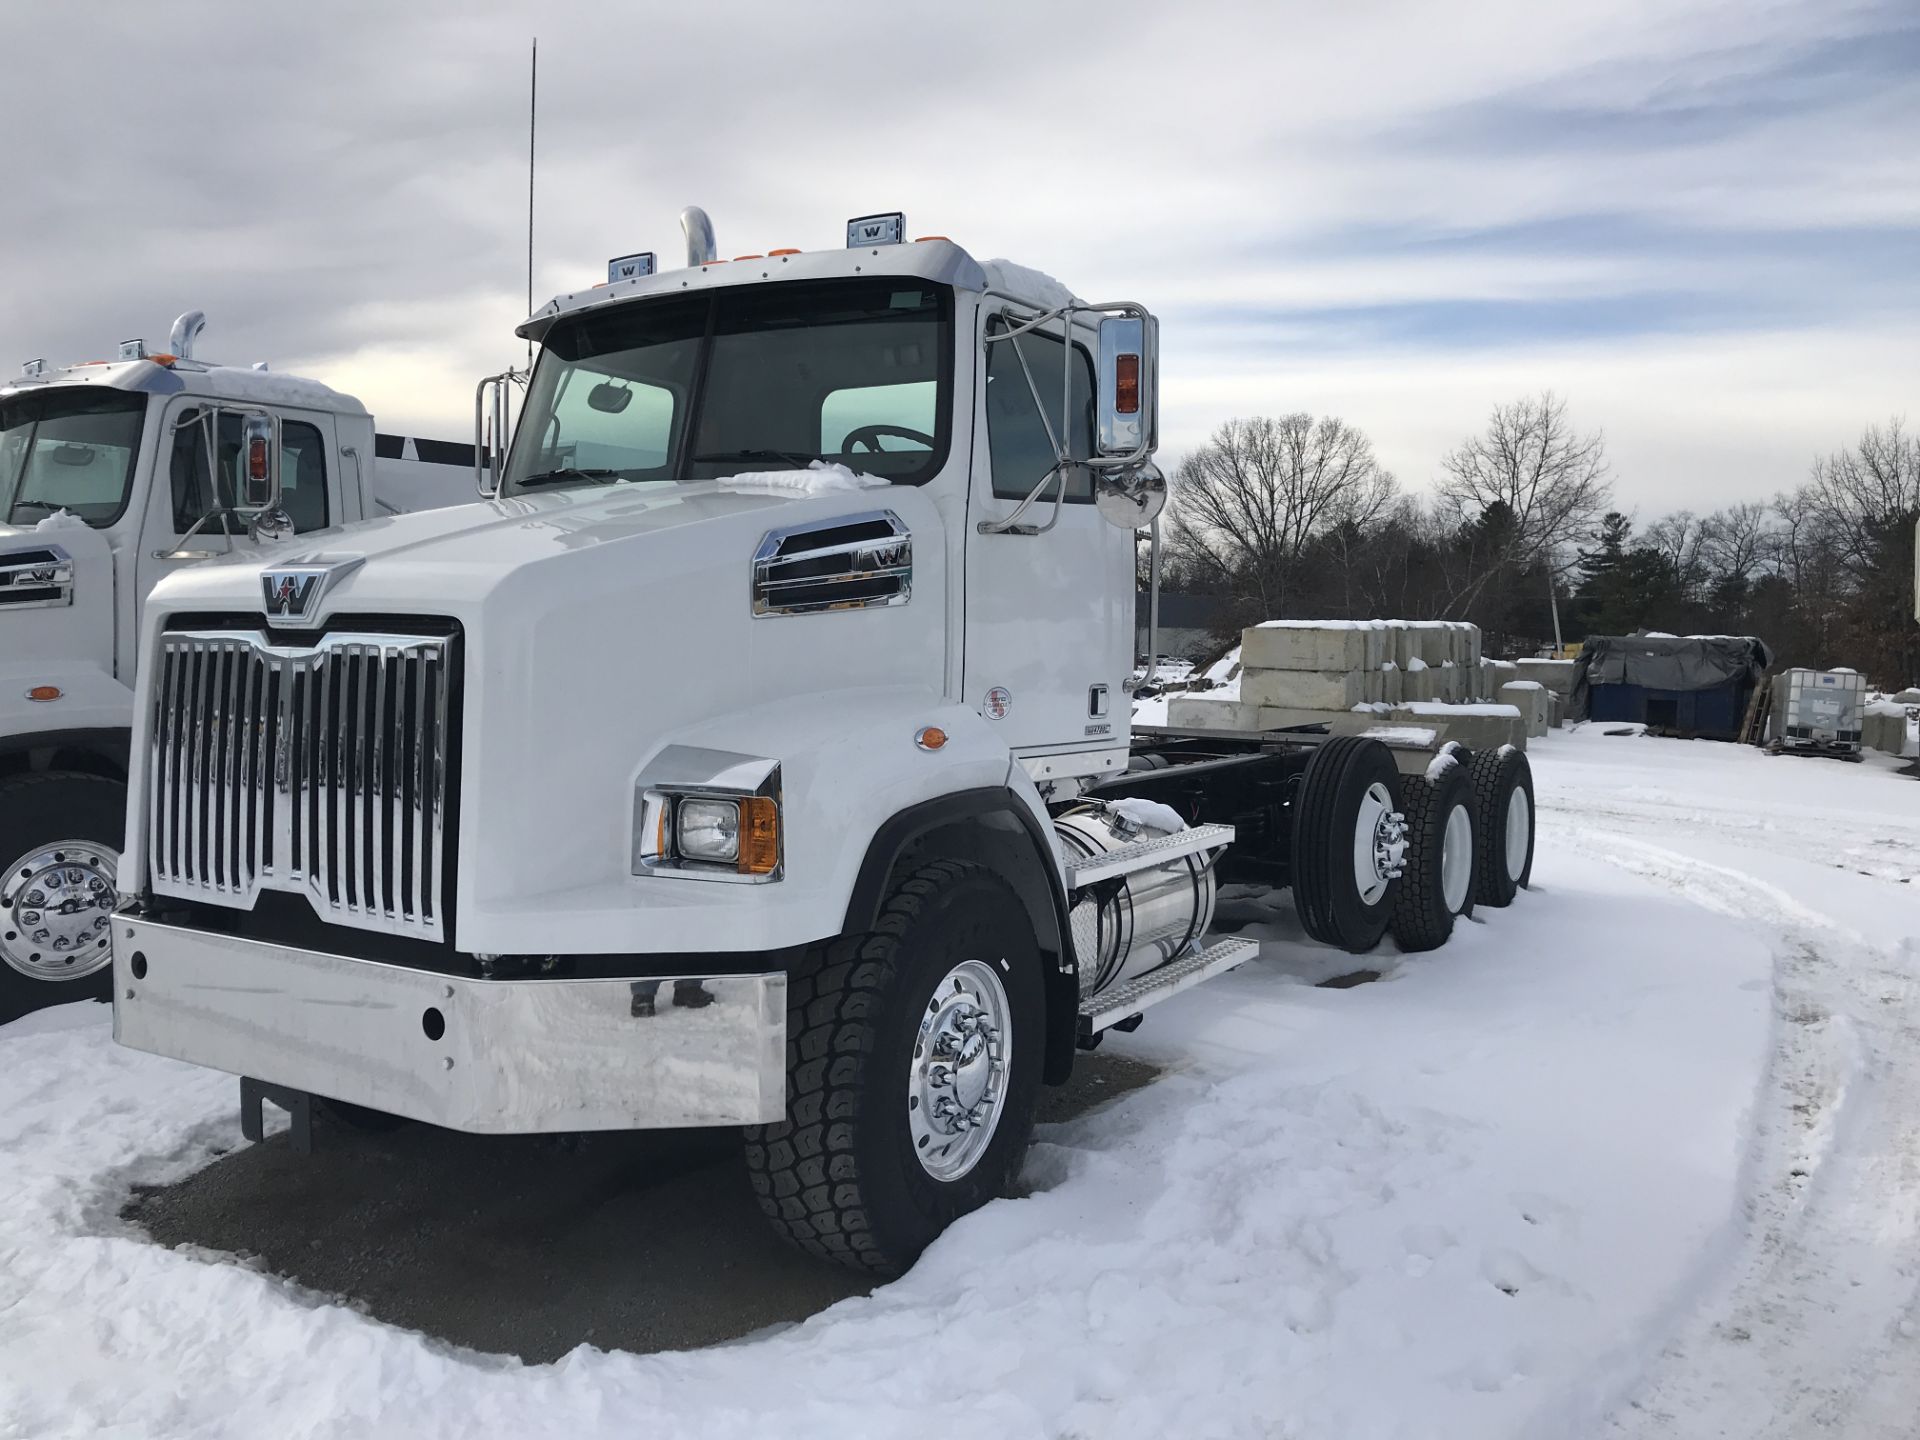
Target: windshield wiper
797	458
551	477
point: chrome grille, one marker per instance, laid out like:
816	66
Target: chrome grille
318	769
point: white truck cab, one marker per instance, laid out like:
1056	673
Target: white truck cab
759	755
113	475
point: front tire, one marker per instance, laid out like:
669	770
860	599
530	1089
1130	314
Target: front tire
60	837
913	1070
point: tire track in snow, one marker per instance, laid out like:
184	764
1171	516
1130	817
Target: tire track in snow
1815	1327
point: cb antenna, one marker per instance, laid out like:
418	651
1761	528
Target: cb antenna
533	115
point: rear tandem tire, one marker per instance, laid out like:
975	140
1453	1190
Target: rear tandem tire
1504	822
869	1016
1441	857
1347	774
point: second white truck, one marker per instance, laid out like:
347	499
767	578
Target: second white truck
759	756
113	475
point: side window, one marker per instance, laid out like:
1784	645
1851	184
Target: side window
303	472
1016	436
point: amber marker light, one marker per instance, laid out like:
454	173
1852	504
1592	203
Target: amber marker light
1126	384
930	737
44	693
759	835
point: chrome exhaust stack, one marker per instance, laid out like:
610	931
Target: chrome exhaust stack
185	331
698	229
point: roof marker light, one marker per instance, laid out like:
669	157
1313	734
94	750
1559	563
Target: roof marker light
786	251
923	239
886	229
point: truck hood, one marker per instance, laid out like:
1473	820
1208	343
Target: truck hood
451	560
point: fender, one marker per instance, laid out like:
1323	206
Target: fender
1008	833
90	699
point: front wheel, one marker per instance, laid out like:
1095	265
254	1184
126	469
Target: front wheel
60	837
913	1069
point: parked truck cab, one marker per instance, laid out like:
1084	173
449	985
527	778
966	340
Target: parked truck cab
113	475
758	756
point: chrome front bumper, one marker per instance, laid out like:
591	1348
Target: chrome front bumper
489	1056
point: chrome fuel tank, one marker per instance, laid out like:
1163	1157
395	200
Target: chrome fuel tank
1125	927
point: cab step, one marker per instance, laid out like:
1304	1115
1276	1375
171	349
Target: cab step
1111	1007
1145	854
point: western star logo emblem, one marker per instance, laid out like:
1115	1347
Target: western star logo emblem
293	592
289	592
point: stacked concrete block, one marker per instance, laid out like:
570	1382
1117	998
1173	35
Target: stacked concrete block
1883	727
1391	687
1529	699
1556	709
1303	646
1478	727
1555	675
1304	689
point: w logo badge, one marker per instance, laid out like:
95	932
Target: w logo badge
290	592
293	593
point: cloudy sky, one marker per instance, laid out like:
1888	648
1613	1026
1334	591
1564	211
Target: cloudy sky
1698	221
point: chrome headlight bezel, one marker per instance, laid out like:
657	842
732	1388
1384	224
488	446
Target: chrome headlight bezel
683	775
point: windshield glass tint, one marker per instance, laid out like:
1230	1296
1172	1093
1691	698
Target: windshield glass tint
68	449
760	378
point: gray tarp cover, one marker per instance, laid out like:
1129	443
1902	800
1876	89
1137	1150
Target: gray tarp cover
1667	662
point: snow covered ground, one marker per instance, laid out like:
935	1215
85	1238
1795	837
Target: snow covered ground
1636	1157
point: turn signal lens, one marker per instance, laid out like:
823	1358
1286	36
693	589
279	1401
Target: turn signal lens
1126	384
257	461
931	737
759	835
44	693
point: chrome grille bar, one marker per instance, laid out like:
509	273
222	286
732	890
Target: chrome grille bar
319	770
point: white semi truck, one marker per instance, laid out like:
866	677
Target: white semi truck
758	757
114	474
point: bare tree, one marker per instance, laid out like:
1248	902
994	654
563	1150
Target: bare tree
1853	494
1681	540
1550	482
1739	541
1250	501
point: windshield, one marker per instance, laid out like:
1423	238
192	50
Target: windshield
760	378
68	448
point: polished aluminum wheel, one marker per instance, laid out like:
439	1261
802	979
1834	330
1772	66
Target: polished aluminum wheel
1519	832
1456	859
1379	844
958	1076
56	910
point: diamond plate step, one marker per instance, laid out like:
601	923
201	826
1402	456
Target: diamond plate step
1145	854
1111	1006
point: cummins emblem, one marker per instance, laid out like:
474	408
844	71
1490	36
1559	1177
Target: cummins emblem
293	592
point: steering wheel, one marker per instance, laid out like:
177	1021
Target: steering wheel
869	436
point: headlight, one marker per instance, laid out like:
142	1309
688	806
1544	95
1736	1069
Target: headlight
708	836
707	830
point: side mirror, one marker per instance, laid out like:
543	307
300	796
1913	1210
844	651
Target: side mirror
257	483
1128	409
1130	498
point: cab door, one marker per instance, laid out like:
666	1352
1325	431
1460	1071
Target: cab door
187	486
1049	622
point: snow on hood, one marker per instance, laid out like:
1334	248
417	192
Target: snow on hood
819	478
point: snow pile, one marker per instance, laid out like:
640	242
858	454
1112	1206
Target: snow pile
61	520
1444	761
1478	1199
1414	662
819	478
1149	813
